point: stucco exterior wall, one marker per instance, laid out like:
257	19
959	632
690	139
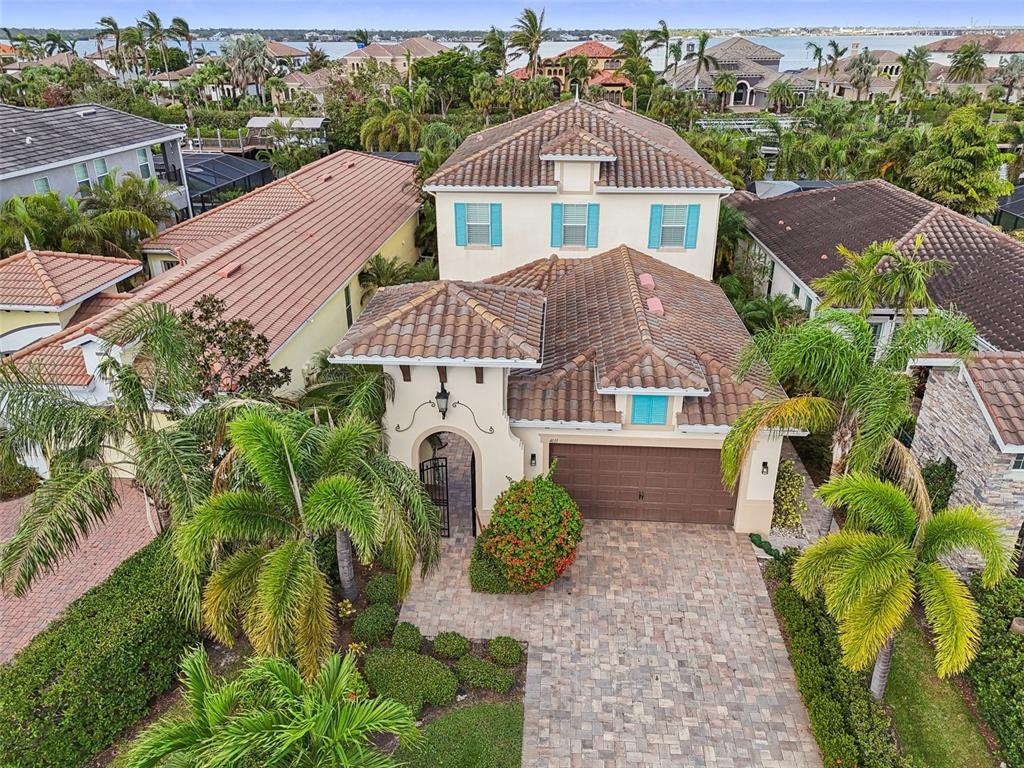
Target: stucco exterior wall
329	323
526	229
951	425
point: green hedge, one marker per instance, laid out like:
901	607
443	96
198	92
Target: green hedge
382	588
410	678
998	672
407	637
480	673
374	624
505	651
16	480
451	645
92	673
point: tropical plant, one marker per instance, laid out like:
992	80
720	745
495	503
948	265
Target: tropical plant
702	60
108	27
774	312
316	58
249	61
180	31
967	64
528	32
578	71
889	552
732	226
839	384
861	69
675	50
395	123
913	74
1010	73
271	715
360	37
129	192
781	94
724	86
832	59
483	95
818	57
494	51
660	36
156	35
291	481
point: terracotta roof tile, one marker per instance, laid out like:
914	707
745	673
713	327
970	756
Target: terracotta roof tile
999	379
55	279
577	142
592	49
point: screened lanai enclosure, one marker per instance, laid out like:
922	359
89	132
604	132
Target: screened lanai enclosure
214	177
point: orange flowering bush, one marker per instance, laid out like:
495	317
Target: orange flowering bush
534	531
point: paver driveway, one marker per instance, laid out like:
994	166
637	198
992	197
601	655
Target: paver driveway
658	648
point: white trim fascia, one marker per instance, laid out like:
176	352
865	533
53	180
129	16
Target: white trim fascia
1003	447
79	341
581	158
434	188
453	362
677	391
68	304
933	362
84	158
665	190
605	426
704	429
778	260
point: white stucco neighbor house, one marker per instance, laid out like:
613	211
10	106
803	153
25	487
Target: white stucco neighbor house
576	323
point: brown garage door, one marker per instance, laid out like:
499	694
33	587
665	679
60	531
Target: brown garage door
617	482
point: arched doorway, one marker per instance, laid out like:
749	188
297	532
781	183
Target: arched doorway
447	469
741	94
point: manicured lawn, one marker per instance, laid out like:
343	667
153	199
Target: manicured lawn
930	715
478	736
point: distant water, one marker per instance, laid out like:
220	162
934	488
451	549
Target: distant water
792	47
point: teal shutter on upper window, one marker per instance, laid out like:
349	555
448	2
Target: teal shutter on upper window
460	224
495	223
692	222
556	225
649	409
593	212
654	236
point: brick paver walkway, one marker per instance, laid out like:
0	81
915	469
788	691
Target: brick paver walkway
657	648
123	534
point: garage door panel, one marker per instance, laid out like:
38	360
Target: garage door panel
644	483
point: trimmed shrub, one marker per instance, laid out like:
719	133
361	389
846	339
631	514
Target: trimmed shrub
382	588
410	678
997	674
93	672
789	508
939	479
16	480
505	651
407	637
534	531
451	645
480	673
485	572
374	624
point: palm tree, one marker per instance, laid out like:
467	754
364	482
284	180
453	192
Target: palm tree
702	60
818	57
913	74
396	125
578	70
632	44
840	384
108	27
862	70
889	552
967	64
250	62
675	50
271	714
1011	74
360	37
292	481
638	70
770	313
53	43
483	95
724	86
781	94
133	50
129	193
155	34
660	36
381	271
732	227
528	32
180	30
494	51
835	54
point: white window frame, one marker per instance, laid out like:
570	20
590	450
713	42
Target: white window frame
145	166
82	177
796	291
1018	463
671	232
97	164
577	228
41	181
478	223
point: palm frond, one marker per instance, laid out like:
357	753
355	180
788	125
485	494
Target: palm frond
196	680
948	330
816	566
171	464
281	588
312	624
869	624
960	528
230	590
899	463
871	504
346	445
952	615
271	449
870	568
881	401
340	501
175	741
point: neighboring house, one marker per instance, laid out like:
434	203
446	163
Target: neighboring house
286	256
617	365
8	53
973	415
839	85
43	292
755	67
796	235
14	67
994	46
315	83
288	57
214	92
69	149
397	55
1010	213
604	59
574	179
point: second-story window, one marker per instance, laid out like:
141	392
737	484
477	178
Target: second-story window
348	306
41	185
145	168
100	166
1018	462
478	224
574	225
82	177
673	226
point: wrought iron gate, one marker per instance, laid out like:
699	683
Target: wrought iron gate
434	476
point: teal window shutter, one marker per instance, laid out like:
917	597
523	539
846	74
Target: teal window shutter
495	223
692	222
593	213
460	224
654	236
649	409
556	225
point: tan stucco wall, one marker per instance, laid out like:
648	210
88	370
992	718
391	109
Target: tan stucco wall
526	229
19	329
329	323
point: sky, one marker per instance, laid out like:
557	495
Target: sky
478	14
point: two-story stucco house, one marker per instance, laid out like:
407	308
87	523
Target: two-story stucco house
576	325
70	149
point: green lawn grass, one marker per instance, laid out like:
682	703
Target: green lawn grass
478	736
930	715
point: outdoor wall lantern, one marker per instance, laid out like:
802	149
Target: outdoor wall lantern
764	467
441	398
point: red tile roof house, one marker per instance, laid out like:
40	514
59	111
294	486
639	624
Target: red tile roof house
972	414
603	58
577	321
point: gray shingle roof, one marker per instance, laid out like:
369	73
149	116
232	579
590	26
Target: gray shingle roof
30	138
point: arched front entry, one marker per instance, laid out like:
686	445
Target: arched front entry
741	95
447	465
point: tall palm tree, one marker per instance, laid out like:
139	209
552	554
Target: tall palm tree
396	124
129	192
675	50
359	37
632	44
889	554
702	60
494	51
250	62
54	42
181	31
840	384
133	50
483	95
1011	74
528	32
108	27
270	714
862	70
781	94
660	36
834	56
967	64
724	86
156	35
913	74
818	57
292	481
578	70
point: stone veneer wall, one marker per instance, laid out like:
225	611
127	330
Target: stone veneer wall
951	425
